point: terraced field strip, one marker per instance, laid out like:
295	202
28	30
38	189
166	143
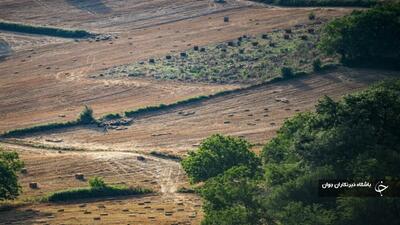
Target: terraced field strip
254	114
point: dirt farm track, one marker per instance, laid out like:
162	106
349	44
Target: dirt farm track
47	79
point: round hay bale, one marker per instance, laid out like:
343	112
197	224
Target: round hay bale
141	158
24	171
33	185
79	176
226	19
168	57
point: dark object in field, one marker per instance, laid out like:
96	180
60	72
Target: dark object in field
183	54
286	36
141	158
240	38
272	44
168	57
202	49
254	43
226	19
231	43
264	36
79	176
311	30
33	185
241	51
24	171
304	37
196	48
288	31
152	60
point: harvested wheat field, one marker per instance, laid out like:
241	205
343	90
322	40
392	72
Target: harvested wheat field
49	79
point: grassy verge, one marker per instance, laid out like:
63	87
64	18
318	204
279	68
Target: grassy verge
348	3
49	31
38	128
108	191
86	117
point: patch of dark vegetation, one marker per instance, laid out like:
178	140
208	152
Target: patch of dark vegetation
165	155
111	116
186	190
367	38
98	189
41	30
358	3
246	60
86	117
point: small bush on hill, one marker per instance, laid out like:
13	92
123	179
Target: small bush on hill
86	116
317	65
287	72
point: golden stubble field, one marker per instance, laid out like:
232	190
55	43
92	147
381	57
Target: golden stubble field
47	79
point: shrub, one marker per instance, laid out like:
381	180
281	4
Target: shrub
317	65
97	183
287	72
86	116
10	164
217	154
311	16
111	116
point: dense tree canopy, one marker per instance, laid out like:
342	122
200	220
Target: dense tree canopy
9	166
217	154
354	138
365	37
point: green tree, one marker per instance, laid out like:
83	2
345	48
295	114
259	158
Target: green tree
97	183
86	116
217	154
10	164
355	138
365	37
233	198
